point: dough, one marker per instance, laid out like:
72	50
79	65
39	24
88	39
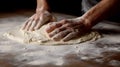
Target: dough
40	37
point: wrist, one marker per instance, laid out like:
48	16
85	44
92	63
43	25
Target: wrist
85	21
39	9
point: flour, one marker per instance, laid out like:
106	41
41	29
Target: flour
40	37
33	55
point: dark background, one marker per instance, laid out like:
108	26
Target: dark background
63	6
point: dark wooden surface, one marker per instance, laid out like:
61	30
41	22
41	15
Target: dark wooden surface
104	52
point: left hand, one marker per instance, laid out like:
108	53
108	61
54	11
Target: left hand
41	17
67	29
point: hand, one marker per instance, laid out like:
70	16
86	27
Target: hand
37	20
67	29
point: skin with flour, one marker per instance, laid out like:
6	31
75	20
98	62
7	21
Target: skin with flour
67	29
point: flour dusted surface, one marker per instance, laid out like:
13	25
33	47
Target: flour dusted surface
40	37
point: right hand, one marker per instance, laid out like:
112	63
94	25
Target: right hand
68	29
37	20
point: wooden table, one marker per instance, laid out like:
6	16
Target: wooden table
104	52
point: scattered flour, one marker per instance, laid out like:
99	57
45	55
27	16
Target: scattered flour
42	55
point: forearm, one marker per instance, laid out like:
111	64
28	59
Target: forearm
100	11
42	4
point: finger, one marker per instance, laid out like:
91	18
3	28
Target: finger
56	31
38	25
70	36
55	25
61	35
28	25
34	23
42	20
52	26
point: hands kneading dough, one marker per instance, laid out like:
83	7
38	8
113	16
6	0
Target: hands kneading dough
67	29
37	20
62	30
